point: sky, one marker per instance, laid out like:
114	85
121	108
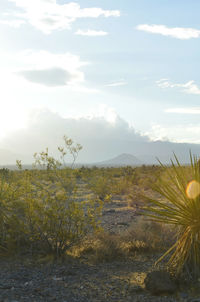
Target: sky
128	67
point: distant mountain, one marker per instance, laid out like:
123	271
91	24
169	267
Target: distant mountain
149	152
96	152
120	160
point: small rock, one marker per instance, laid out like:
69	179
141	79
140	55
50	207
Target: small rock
159	282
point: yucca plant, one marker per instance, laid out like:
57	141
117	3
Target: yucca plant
179	205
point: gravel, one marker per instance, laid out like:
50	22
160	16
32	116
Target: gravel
76	281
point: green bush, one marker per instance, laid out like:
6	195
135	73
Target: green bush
38	208
101	186
180	206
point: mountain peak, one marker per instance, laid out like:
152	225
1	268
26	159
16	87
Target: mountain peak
123	159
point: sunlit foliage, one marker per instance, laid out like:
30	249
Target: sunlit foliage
38	208
179	205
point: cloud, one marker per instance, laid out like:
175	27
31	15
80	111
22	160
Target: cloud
101	136
189	87
186	110
48	15
91	33
26	69
116	84
49	69
48	77
175	32
177	134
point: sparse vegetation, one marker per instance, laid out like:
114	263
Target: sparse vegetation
51	208
39	211
58	210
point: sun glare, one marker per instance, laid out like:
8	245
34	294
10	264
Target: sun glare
11	121
193	189
13	115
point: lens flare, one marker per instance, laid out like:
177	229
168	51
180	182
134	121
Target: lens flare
193	189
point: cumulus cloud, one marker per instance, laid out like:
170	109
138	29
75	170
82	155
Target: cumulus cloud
189	87
50	69
26	69
177	134
91	33
48	77
49	15
101	136
175	32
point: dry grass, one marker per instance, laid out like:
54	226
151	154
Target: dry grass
141	238
146	236
103	247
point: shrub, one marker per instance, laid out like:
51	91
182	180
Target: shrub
101	186
39	209
181	208
122	186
